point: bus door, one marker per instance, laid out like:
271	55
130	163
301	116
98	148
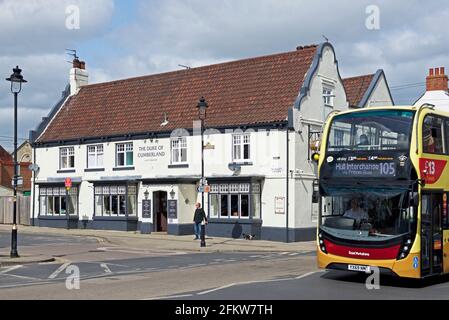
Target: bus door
431	234
445	222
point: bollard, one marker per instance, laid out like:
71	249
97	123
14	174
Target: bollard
203	234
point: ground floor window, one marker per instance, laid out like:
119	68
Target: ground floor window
235	201
116	200
57	201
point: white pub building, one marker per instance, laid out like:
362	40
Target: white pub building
132	148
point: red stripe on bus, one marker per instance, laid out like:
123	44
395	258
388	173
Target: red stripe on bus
362	253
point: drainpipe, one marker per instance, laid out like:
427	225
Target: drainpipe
34	185
287	184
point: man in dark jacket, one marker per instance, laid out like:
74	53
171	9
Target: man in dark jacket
198	218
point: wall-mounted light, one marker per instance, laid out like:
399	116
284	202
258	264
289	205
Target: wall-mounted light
146	194
172	194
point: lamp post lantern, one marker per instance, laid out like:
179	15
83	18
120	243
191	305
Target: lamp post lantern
202	111
16	80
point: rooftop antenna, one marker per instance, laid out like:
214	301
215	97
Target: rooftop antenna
165	122
325	38
183	66
72	53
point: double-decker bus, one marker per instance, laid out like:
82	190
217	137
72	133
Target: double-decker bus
382	191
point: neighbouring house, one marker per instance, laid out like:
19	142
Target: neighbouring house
437	92
368	90
7	174
132	148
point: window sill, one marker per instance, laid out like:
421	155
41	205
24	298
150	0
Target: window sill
66	171
60	217
94	170
242	163
234	220
178	166
115	218
123	169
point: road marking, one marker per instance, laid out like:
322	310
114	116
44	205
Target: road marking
216	289
293	254
308	274
11	269
22	277
284	253
169	297
106	268
197	265
59	270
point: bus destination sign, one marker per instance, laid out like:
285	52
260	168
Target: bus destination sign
369	167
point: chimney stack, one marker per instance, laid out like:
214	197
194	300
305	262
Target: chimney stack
78	76
437	80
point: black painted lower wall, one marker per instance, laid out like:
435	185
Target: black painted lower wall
145	227
118	224
180	229
233	229
294	234
56	222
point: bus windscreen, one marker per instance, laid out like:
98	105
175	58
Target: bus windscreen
371	130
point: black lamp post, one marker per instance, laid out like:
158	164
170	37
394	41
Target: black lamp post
202	109
16	80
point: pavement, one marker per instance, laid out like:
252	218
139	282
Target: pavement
38	250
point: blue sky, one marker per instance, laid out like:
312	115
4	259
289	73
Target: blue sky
121	38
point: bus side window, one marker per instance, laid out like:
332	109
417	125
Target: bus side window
433	135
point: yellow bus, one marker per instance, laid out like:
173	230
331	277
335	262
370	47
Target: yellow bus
382	190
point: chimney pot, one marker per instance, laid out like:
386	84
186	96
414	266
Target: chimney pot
437	80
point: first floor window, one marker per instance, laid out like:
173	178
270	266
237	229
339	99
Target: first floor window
95	156
235	201
67	158
113	200
179	150
241	144
125	155
57	201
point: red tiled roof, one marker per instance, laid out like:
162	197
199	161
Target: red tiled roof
356	87
250	91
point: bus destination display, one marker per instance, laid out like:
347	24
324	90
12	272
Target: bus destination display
365	169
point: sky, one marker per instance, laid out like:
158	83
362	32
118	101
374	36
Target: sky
125	38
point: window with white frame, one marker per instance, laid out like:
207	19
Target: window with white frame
125	155
115	200
178	150
328	96
95	155
67	158
235	201
241	147
57	201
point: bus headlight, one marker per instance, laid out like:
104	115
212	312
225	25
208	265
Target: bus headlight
405	249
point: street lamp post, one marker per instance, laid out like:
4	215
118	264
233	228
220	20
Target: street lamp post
202	109
16	80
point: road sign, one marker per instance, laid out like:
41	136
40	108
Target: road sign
19	181
205	189
68	183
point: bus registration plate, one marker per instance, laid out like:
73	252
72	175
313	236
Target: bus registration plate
359	268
